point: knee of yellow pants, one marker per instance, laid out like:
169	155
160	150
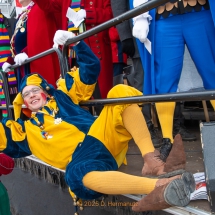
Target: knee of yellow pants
122	90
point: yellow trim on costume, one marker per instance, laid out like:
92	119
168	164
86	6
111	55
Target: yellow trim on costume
3	139
17	103
16	131
79	91
34	80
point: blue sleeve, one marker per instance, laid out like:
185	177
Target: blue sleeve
89	64
15	149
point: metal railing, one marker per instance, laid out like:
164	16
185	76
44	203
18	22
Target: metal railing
191	96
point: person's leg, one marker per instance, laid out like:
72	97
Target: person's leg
135	124
202	43
117	124
156	138
4	201
136	80
178	125
114	182
169	50
123	123
160	190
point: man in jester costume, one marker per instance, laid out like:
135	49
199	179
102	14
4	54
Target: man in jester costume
168	28
91	150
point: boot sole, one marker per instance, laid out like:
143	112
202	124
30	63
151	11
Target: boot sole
177	193
189	181
187	177
171	174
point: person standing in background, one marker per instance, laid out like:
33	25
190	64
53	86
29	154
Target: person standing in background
118	57
174	25
33	34
6	31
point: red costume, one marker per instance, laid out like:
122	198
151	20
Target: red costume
117	55
41	27
97	12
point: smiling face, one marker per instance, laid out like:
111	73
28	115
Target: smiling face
34	97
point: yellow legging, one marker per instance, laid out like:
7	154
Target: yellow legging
135	124
165	113
114	182
213	104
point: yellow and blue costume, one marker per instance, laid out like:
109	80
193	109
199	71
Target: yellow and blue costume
65	135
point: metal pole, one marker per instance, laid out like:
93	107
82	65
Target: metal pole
132	13
43	54
6	93
117	20
170	97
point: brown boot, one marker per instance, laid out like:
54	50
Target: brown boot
154	166
168	192
176	161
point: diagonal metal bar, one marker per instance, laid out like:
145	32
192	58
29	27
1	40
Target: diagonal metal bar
170	97
132	13
112	22
43	54
117	20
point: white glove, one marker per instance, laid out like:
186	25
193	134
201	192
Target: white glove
5	67
20	58
61	37
141	29
136	3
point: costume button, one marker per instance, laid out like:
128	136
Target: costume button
97	47
92	25
95	35
99	52
97	41
91	3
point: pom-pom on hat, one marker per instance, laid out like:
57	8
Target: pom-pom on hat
30	79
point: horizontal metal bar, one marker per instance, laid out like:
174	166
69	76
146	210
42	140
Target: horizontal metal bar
171	97
117	20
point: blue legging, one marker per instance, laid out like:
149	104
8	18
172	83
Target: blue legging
197	31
